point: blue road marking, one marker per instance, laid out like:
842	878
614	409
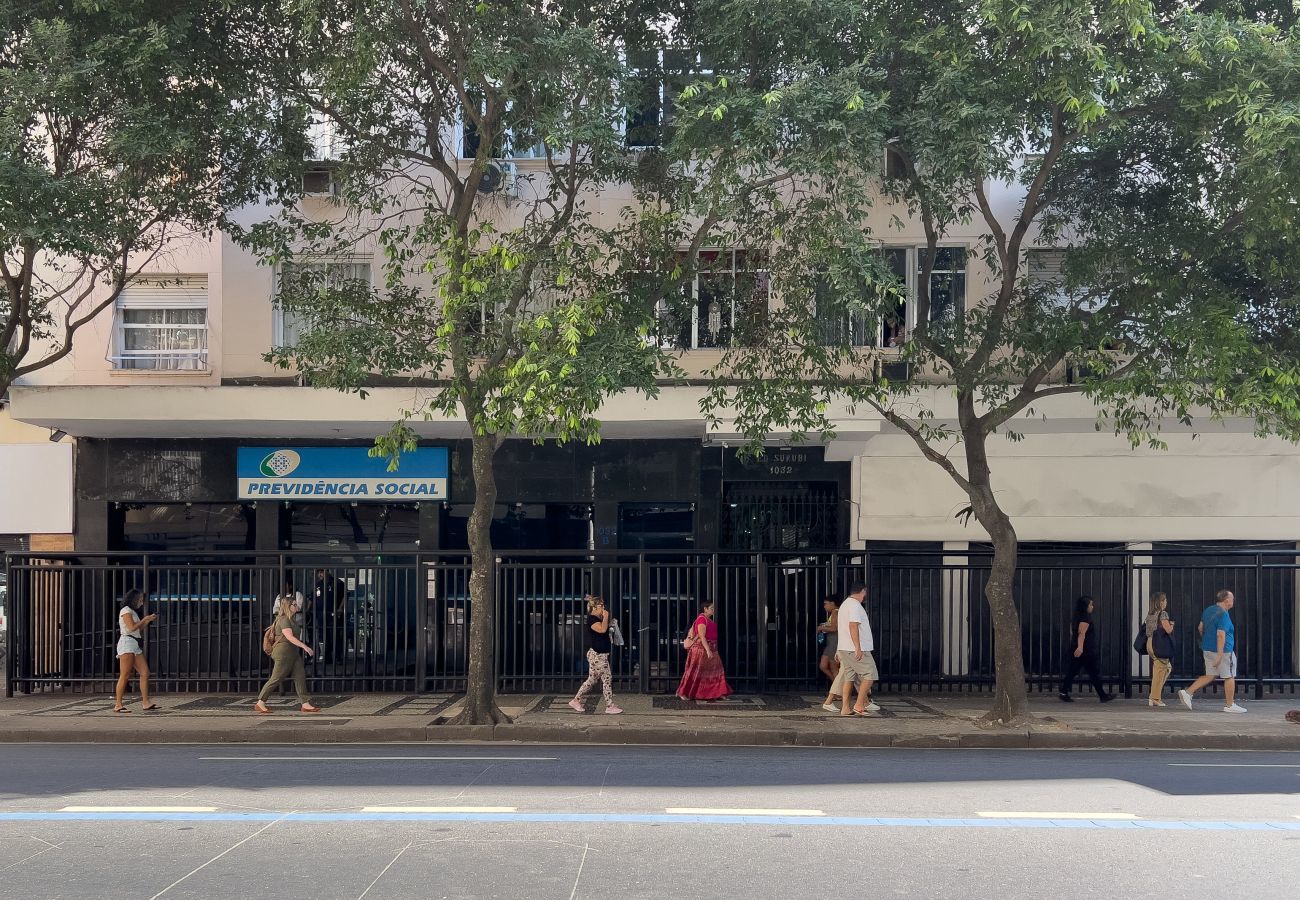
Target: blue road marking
650	819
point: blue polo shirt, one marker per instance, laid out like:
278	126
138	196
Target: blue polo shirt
1212	620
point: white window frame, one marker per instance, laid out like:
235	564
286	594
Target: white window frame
1063	300
699	70
915	268
664	306
161	291
535	151
278	323
912	269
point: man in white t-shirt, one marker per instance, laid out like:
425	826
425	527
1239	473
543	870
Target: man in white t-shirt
855	646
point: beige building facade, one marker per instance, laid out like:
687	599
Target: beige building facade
180	364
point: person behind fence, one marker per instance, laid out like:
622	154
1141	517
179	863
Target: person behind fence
830	630
288	595
1160	645
1083	652
286	658
598	650
1219	649
856	644
332	601
130	650
704	678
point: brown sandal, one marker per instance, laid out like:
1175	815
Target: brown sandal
120	709
308	708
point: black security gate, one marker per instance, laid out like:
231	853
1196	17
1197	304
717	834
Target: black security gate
401	623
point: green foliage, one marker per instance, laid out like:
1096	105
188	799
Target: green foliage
501	305
122	124
1160	145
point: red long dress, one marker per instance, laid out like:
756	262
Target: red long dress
704	678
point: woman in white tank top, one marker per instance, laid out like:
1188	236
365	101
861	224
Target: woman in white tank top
130	649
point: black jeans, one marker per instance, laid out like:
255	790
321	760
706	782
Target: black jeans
1088	662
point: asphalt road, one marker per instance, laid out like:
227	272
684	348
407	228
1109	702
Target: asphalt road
399	821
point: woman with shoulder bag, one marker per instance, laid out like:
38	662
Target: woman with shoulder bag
1160	646
599	646
704	678
130	650
286	658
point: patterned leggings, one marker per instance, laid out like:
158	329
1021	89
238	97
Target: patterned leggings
598	666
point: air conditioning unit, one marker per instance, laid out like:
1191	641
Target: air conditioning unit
500	177
318	181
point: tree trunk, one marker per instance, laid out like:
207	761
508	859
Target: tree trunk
480	690
1010	696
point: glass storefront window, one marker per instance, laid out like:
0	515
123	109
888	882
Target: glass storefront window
183	527
656	526
524	526
355	528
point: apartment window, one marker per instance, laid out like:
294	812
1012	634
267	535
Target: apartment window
308	274
894	166
515	141
660	77
845	320
855	319
1046	271
947	283
162	324
721	306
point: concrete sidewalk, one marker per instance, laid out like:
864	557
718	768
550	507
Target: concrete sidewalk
911	720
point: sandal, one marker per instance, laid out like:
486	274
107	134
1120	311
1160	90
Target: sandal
308	708
151	707
120	709
262	708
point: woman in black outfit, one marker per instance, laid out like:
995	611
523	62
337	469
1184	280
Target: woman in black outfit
598	648
1083	652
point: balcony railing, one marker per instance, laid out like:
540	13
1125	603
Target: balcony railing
161	360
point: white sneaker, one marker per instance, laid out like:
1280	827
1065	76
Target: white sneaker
1234	708
577	706
1186	699
873	707
830	707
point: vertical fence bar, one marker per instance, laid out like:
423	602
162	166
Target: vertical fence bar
761	622
11	647
1130	613
644	634
1257	656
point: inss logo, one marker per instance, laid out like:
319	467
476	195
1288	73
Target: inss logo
279	463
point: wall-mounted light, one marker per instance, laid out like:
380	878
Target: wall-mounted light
57	435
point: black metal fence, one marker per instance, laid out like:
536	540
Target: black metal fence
400	623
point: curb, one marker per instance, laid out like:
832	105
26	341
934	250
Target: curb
653	735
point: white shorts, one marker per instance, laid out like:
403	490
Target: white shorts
1225	669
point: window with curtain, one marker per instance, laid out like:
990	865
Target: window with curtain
320	273
947	285
721	306
162	324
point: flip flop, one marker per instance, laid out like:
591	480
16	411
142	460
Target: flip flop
862	714
261	710
120	709
151	707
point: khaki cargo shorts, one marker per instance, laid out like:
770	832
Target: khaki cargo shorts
852	670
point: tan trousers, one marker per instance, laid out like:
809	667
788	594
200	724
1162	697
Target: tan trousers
1160	671
285	665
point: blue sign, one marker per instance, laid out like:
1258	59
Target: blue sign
341	473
